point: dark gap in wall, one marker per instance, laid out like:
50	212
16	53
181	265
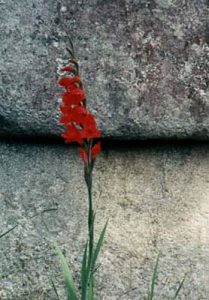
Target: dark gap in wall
107	142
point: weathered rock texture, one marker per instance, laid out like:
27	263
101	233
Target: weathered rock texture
156	199
144	65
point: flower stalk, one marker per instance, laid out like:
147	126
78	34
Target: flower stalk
88	168
81	128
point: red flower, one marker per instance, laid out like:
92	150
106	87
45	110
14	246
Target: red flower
72	134
90	130
96	150
80	124
73	114
75	97
69	82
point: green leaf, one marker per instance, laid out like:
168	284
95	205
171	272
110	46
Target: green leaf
179	288
6	232
84	273
91	290
98	246
154	277
71	292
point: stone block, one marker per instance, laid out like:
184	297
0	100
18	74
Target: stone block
156	199
144	65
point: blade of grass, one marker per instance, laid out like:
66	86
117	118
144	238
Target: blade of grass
91	290
98	246
6	232
70	52
67	274
55	289
154	277
179	288
91	264
71	45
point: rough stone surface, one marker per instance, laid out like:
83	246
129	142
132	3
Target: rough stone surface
144	65
156	199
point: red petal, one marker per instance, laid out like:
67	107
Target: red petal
65	119
74	114
83	155
79	110
72	134
96	150
68	69
90	121
90	134
64	109
68	81
75	97
90	130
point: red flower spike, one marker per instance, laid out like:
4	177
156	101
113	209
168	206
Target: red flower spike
96	150
80	125
83	154
68	69
69	81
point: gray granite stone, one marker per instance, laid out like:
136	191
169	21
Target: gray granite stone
156	199
144	65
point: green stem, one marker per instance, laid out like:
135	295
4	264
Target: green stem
88	178
90	217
